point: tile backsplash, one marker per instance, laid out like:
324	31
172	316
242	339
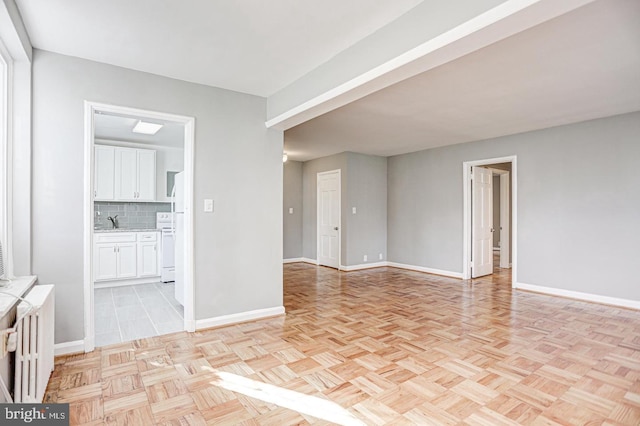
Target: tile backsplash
130	215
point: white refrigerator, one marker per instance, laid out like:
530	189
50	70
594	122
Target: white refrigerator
178	234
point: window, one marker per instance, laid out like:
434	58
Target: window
5	164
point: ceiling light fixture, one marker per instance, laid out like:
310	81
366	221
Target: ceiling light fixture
147	128
285	157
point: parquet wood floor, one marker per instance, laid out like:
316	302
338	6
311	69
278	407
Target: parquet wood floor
381	346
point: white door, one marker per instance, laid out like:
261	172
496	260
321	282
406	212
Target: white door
104	173
126	171
329	218
146	175
482	222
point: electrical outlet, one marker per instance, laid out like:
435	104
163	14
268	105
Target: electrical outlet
380	256
365	257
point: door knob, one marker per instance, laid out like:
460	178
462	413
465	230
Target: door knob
336	228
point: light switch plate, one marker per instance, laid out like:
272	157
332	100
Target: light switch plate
208	205
353	210
290	210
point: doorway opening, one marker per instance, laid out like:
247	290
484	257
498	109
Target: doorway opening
138	198
489	237
329	229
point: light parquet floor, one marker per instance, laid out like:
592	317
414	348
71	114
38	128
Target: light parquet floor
389	346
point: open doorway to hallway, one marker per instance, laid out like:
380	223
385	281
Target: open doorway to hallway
490	226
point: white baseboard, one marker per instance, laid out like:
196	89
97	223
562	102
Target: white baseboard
300	259
363	266
427	270
239	317
589	297
120	283
65	348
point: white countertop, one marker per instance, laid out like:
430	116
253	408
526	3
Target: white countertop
17	287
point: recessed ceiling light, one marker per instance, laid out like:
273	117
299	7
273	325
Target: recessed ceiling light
147	128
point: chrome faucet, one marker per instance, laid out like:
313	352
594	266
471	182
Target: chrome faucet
114	221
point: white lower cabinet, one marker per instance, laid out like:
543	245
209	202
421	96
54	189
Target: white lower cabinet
148	254
125	255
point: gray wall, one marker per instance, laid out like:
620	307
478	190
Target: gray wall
364	186
367	191
578	204
292	198
238	163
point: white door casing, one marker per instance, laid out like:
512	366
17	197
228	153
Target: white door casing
329	219
482	222
504	221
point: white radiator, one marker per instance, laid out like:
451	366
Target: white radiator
34	351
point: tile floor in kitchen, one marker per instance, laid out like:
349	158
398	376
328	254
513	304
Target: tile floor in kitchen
136	311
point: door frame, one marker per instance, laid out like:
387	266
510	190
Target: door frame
90	108
318	205
467	214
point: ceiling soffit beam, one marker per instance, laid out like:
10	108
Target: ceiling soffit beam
502	21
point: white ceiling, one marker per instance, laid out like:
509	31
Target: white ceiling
579	66
250	46
582	65
119	128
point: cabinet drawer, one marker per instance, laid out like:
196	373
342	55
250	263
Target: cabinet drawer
147	236
115	237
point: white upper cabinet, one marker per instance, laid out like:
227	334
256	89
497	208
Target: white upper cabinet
126	174
146	175
132	172
104	188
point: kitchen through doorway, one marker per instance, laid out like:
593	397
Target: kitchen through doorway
138	224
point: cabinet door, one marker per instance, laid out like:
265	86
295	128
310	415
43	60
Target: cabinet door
147	259
104	173
126	171
146	175
127	265
105	262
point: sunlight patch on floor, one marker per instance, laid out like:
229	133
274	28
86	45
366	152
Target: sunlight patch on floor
306	404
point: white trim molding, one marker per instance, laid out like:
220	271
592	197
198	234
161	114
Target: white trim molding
293	260
239	317
363	266
66	348
426	270
588	297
